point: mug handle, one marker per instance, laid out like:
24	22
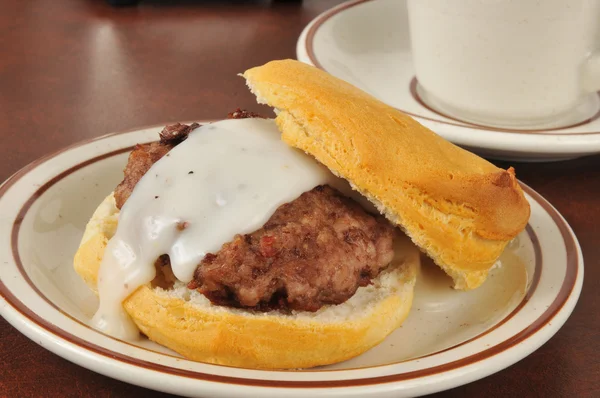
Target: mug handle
590	78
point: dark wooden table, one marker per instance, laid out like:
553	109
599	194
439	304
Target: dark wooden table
76	69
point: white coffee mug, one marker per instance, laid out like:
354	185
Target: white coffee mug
508	63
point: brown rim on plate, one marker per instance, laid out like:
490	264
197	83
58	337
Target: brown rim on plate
309	46
564	293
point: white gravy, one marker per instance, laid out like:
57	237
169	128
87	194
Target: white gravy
227	178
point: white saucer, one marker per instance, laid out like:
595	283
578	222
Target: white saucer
450	337
366	43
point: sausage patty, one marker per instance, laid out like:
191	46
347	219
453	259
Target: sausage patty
313	251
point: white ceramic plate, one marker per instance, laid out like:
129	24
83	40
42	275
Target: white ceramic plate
366	43
450	337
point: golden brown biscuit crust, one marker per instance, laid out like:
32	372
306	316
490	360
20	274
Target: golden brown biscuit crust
459	208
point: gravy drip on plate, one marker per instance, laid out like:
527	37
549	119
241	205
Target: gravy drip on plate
227	178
